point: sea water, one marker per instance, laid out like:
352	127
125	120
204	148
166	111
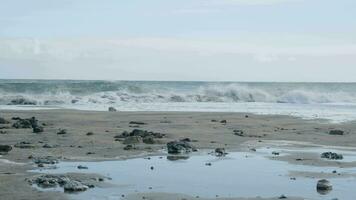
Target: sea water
332	101
238	174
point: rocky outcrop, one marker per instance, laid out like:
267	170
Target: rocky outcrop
177	147
51	181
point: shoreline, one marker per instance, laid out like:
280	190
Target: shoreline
259	130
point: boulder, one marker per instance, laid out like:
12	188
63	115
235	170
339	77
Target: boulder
49	160
176	147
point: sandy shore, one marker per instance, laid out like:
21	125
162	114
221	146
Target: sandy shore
205	129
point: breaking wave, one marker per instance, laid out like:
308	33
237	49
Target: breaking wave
15	92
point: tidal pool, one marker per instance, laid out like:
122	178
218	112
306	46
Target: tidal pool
238	174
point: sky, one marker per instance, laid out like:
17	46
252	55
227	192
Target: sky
185	40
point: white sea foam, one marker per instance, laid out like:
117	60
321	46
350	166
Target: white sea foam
334	101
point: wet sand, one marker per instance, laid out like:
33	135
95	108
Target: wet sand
205	129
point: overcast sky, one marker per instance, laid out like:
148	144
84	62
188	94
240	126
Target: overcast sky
213	40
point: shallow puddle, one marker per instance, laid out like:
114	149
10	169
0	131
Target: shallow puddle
238	174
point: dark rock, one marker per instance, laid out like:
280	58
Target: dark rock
112	109
137	123
62	132
152	168
5	148
208	164
3	121
37	129
176	147
223	121
48	146
336	132
82	167
332	156
324	186
74	101
177	157
185	140
239	133
128	147
90	133
220	152
282	197
275	153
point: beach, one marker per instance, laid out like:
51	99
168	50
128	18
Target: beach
90	136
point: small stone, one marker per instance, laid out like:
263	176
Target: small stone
152	168
90	133
82	167
282	197
223	121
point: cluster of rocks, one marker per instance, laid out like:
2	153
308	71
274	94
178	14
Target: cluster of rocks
22	101
27	123
332	156
182	146
137	136
41	161
68	184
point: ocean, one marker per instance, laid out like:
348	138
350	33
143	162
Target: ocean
335	102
